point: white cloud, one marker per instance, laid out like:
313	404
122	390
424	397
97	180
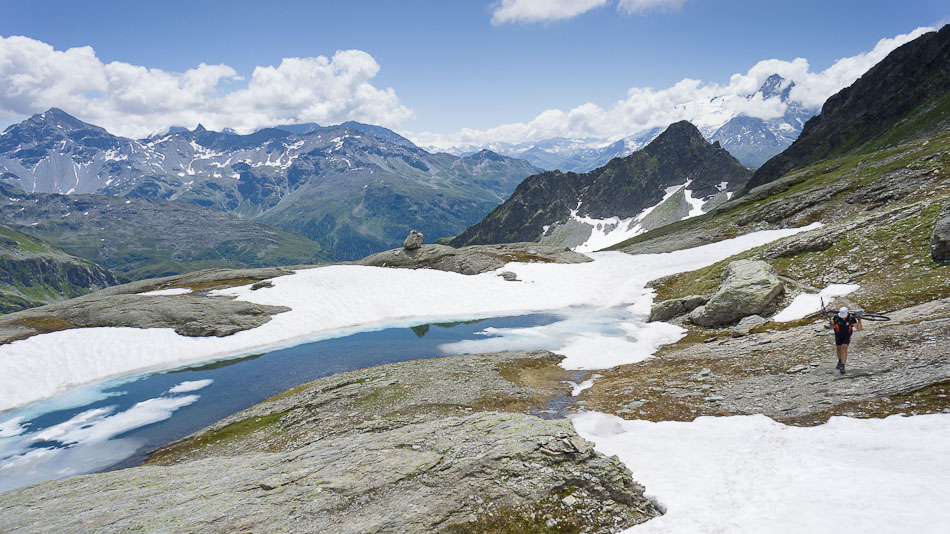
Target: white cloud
704	104
506	11
541	10
135	101
639	6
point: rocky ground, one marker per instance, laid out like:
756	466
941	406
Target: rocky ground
444	445
473	259
894	367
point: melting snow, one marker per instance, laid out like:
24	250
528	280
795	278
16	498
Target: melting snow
172	291
193	385
337	300
607	232
808	303
750	474
88	441
578	388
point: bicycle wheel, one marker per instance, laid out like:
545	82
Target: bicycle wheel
822	313
874	317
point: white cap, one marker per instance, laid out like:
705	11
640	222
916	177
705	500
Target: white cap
843	312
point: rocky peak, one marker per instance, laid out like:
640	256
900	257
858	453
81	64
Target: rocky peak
57	118
484	155
776	86
897	100
677	137
53	123
623	188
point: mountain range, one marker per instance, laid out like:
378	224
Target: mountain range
751	140
138	238
678	163
353	188
905	96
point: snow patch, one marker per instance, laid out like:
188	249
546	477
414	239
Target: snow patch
808	303
192	385
172	291
750	474
613	230
578	388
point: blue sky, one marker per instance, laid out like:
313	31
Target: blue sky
448	65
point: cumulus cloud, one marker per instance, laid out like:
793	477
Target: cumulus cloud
135	101
541	10
706	104
527	11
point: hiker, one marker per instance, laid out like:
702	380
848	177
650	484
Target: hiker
842	324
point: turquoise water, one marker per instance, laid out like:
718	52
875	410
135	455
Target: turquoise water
116	423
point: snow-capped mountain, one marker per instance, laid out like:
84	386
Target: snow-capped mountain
677	175
750	139
354	188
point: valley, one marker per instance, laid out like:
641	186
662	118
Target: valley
626	345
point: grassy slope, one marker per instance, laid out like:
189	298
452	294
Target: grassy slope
891	262
19	295
141	238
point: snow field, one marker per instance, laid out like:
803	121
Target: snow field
750	474
338	300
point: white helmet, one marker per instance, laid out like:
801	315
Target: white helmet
843	312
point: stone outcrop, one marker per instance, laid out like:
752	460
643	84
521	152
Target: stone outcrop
673	308
748	288
406	447
413	241
472	260
193	314
940	239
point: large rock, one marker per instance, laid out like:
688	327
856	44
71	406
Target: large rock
748	287
672	308
413	241
940	240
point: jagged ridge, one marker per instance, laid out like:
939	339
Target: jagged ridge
622	188
904	97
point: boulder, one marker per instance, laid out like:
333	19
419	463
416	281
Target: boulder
672	308
747	324
940	240
508	276
748	288
413	240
